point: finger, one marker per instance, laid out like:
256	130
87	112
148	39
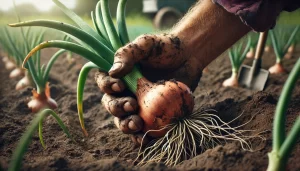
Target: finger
140	140
119	107
157	51
117	122
108	84
126	57
131	124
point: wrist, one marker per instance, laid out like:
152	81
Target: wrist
207	31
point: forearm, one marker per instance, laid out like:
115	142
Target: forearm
208	30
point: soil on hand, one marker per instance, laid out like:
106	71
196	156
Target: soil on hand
106	148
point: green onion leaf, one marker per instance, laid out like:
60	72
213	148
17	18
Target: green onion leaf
109	25
50	64
80	50
80	88
99	47
122	28
26	138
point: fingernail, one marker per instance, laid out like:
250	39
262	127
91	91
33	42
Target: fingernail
117	122
132	126
139	141
116	66
115	87
128	107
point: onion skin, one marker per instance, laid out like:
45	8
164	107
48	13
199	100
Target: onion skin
290	52
250	54
267	48
5	59
24	82
231	82
291	49
162	103
41	101
9	65
17	72
277	69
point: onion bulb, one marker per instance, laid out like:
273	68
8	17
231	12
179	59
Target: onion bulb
162	104
232	81
17	72
251	53
26	81
277	69
42	100
9	65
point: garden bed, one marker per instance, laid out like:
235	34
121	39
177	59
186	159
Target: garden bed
107	148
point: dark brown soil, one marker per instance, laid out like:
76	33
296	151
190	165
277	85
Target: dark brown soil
107	148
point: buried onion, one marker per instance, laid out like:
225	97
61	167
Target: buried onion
282	40
41	100
41	97
237	55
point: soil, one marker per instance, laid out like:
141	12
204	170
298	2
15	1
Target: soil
107	148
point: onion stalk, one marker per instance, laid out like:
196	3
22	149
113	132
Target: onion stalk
98	45
237	56
282	144
9	43
39	74
282	39
254	41
16	161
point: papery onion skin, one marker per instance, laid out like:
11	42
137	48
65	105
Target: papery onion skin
162	104
9	65
41	101
17	72
231	82
24	82
277	69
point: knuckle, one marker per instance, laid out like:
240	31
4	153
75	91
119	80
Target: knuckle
99	75
116	107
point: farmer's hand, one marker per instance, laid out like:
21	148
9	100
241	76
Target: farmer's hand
200	37
160	57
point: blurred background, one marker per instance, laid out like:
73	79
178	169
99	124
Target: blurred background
143	16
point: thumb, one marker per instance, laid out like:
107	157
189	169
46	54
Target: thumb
125	57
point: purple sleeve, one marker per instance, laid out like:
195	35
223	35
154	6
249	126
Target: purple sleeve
260	15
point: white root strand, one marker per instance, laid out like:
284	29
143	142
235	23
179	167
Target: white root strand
193	135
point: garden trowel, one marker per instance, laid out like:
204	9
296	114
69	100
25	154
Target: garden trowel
253	77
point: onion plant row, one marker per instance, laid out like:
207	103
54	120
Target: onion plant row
283	39
19	44
36	124
11	58
237	54
176	139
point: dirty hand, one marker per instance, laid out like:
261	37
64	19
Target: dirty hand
160	57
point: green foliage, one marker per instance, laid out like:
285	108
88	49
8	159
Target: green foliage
90	43
254	39
237	53
15	163
282	144
282	38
